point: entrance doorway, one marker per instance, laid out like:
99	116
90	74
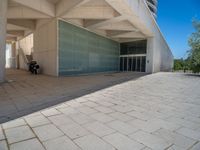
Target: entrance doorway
8	55
133	56
133	63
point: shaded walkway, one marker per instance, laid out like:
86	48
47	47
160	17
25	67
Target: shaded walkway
25	93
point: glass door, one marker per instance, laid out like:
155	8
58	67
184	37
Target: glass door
129	63
138	62
143	64
121	64
134	64
125	64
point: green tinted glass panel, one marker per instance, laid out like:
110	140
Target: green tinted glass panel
136	47
83	52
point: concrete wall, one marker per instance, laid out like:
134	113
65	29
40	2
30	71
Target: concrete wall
162	56
3	21
45	46
13	56
150	55
26	44
159	55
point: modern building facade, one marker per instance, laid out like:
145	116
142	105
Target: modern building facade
72	37
152	4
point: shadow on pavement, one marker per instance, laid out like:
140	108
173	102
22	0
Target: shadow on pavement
25	93
192	75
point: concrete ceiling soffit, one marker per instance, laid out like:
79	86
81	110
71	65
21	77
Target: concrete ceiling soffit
54	1
120	6
121	26
22	12
92	3
65	6
78	22
10	35
100	24
27	24
96	12
11	38
130	35
91	22
122	40
15	27
100	32
93	9
15	33
141	27
123	8
111	33
41	6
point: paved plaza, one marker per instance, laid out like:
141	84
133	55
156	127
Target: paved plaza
122	111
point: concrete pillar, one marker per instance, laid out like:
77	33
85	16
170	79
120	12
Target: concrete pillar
3	22
13	56
150	55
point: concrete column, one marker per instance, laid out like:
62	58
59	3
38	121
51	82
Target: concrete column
13	56
3	22
150	55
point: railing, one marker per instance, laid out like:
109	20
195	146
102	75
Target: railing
27	58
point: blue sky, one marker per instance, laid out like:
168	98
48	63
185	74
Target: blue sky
175	21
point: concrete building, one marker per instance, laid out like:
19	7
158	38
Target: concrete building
70	37
152	4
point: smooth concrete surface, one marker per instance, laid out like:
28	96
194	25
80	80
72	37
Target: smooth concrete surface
161	57
3	21
13	55
154	112
45	45
26	48
149	56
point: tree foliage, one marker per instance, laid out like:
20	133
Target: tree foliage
194	52
178	64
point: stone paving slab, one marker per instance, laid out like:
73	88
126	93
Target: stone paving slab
31	144
155	112
196	146
47	132
178	140
2	137
122	142
92	142
3	145
18	134
61	143
150	140
99	129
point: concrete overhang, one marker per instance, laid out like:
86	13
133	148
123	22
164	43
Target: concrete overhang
116	19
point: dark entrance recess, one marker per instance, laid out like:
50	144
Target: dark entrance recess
133	63
133	56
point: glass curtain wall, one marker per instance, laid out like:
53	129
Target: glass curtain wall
84	52
133	56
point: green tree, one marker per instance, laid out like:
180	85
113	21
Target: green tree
194	52
178	64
